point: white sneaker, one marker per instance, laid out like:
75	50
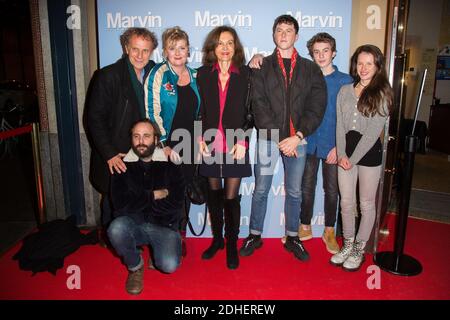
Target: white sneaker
356	257
339	258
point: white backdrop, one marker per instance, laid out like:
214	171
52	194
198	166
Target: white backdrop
253	20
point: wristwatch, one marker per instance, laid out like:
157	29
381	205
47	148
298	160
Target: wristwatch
299	135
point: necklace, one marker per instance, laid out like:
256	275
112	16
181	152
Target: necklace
364	86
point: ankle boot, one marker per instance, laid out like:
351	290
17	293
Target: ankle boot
232	209
215	208
356	257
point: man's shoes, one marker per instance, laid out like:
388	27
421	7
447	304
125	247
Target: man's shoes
216	245
249	245
295	245
356	257
329	239
339	258
135	281
304	234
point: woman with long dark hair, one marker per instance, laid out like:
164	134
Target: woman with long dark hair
223	85
362	110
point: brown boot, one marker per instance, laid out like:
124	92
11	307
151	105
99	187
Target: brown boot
135	281
305	232
329	239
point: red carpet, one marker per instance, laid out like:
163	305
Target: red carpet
270	273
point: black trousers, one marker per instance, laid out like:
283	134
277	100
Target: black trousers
330	186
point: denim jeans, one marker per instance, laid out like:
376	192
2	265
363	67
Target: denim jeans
125	235
267	154
330	188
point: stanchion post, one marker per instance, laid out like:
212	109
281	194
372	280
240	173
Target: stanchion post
411	144
396	262
38	173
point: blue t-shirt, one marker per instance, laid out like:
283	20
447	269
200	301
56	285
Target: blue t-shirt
324	138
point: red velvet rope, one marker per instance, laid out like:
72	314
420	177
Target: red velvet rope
15	132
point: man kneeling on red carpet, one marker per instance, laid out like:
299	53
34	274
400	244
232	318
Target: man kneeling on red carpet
147	200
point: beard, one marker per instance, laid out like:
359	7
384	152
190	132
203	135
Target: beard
143	150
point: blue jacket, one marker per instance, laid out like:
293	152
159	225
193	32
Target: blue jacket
324	138
161	95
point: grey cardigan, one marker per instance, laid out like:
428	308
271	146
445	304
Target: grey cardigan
349	118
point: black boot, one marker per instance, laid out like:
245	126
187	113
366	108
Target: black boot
215	208
232	208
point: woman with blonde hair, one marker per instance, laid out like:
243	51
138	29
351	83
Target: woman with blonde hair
173	103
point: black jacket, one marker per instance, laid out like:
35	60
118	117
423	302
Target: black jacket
308	97
234	115
112	107
46	249
132	193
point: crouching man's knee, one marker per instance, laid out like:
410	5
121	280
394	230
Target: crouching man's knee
168	265
119	229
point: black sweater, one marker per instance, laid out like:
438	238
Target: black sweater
132	193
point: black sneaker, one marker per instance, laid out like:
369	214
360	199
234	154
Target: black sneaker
295	245
249	245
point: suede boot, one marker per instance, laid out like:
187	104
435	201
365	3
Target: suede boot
232	209
215	208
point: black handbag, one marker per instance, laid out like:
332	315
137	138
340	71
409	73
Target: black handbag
205	214
197	189
249	119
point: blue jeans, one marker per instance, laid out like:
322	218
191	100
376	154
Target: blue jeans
330	187
267	153
125	235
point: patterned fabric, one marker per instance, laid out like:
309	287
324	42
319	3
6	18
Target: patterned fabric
161	96
286	82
